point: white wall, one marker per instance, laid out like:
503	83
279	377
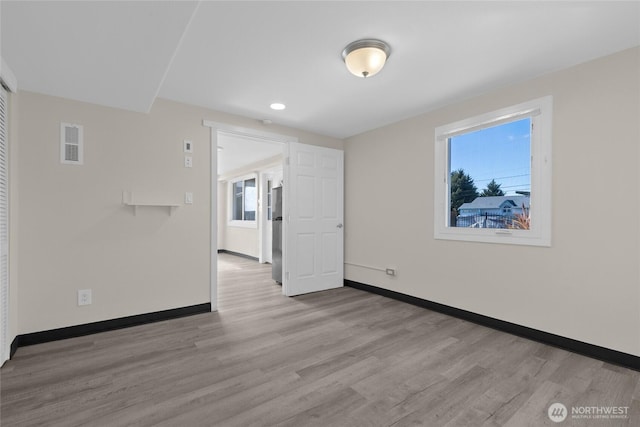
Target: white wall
587	285
73	231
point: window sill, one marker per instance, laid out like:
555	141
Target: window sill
243	224
504	236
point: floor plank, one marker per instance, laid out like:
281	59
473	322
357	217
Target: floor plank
342	357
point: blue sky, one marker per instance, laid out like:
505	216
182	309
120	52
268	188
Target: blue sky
501	152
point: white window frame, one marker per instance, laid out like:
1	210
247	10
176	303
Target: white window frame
540	112
242	223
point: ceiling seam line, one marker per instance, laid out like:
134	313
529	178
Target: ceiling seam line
173	56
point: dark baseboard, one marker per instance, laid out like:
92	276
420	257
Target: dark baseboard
14	347
106	325
224	251
601	353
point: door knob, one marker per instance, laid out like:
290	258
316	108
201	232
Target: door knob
339	225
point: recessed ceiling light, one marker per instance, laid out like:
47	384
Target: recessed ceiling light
278	106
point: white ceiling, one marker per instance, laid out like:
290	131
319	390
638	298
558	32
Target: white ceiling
236	152
239	57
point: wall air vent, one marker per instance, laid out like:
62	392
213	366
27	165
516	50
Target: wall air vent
71	144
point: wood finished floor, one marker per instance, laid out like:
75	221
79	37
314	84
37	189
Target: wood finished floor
338	358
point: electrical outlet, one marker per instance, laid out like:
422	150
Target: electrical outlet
188	161
390	271
84	296
188	198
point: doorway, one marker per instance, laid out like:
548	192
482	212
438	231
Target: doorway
240	192
313	210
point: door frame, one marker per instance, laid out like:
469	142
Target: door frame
265	176
5	284
215	129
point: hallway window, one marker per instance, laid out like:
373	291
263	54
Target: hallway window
244	200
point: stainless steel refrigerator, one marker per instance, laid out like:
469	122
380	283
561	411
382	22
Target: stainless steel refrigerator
276	222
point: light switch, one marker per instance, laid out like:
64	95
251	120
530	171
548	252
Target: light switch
188	198
188	146
188	161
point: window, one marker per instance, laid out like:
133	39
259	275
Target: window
493	176
244	200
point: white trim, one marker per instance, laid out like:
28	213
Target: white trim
248	132
263	203
540	110
5	346
7	77
213	223
217	127
483	121
242	224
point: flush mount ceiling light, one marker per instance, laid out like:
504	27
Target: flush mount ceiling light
278	106
365	58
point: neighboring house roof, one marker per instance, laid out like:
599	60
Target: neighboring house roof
496	202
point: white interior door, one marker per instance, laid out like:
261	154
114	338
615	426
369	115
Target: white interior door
314	212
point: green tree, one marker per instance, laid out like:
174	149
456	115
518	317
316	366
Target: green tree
463	190
493	189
